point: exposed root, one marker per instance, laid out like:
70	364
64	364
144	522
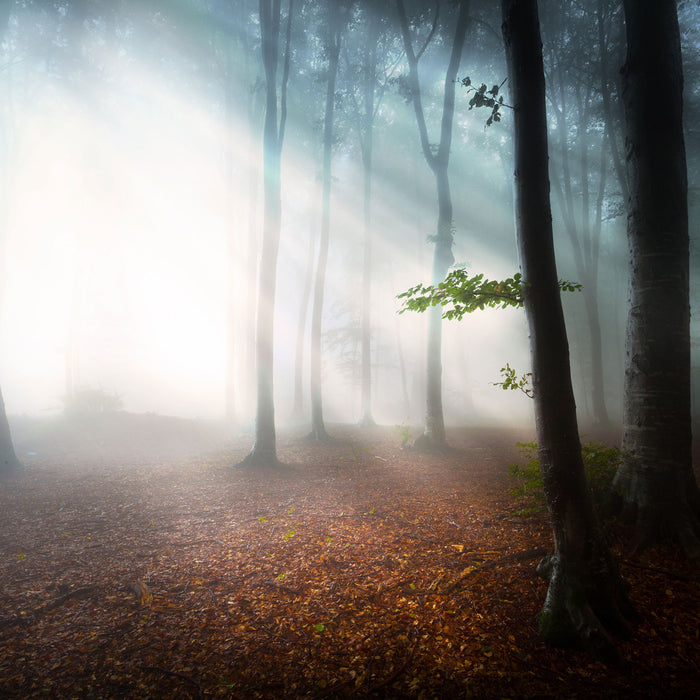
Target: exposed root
585	608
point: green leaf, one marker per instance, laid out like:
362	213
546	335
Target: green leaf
319	628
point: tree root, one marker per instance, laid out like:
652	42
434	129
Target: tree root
266	459
318	434
585	608
663	506
427	445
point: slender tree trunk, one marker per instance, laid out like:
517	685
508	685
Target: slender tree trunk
585	240
433	437
318	428
656	478
246	265
611	123
8	458
298	408
264	452
586	600
366	137
251	254
232	226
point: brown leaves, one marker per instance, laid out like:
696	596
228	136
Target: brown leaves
303	583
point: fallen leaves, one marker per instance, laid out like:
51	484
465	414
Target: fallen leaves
212	582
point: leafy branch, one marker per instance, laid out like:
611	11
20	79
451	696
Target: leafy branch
484	97
513	382
462	294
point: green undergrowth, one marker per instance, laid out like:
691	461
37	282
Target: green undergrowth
600	463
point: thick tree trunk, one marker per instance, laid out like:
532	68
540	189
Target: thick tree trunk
318	428
586	599
656	478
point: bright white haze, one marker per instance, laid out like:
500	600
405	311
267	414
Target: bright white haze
120	223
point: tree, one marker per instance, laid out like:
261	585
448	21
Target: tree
337	16
8	458
574	104
264	452
656	477
438	159
586	601
240	355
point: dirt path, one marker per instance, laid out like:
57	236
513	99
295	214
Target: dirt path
358	570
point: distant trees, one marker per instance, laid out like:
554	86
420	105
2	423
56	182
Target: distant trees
656	477
369	72
586	600
580	156
335	24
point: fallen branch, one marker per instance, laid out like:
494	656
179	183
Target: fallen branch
27	619
77	593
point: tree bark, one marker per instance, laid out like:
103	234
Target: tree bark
656	478
586	601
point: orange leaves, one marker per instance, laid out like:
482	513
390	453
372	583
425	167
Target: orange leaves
266	586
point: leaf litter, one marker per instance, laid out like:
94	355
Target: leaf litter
358	570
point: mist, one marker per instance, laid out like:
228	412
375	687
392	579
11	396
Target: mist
132	215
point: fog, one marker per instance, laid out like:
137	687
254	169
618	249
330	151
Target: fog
132	158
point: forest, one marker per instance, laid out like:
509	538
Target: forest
347	348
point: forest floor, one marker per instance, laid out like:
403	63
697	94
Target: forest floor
144	566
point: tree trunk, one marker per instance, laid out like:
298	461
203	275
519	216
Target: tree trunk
264	452
586	600
366	138
8	458
318	428
433	437
656	478
585	240
298	407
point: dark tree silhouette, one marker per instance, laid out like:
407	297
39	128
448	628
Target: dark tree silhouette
586	601
656	476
